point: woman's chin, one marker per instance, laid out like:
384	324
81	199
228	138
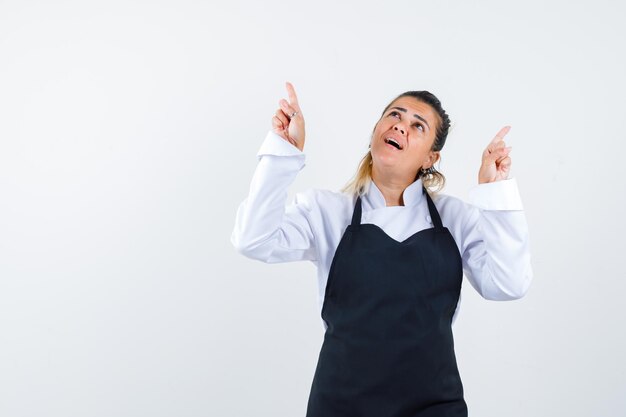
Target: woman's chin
386	159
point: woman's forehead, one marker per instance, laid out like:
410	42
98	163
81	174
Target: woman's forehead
411	103
415	106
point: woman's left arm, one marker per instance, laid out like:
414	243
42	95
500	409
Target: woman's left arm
493	240
495	243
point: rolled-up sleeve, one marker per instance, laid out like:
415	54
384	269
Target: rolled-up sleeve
495	242
266	228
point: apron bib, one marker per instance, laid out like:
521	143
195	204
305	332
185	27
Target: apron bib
388	350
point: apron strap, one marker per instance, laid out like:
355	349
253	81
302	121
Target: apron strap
434	214
356	215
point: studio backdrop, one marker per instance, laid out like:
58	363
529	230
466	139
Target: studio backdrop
129	134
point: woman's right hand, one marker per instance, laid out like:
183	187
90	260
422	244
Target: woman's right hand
288	127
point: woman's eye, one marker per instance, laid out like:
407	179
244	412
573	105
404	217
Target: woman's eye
396	114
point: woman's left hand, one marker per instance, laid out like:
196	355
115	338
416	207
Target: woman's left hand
496	160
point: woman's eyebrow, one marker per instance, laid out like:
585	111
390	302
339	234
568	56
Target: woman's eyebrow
414	115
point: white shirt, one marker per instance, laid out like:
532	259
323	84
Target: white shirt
491	233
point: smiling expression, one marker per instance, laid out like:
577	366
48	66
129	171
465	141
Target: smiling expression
403	137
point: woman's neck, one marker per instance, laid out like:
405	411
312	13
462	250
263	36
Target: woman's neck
392	188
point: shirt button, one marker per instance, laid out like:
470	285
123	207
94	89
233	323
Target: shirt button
428	219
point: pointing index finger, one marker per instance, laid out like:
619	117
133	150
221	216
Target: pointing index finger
292	94
500	135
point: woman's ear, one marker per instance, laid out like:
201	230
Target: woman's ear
433	157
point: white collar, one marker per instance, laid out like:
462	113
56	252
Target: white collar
412	195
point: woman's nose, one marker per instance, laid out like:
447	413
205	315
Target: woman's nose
399	128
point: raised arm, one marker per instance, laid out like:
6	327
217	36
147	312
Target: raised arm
266	228
495	242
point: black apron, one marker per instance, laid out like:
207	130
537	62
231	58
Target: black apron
388	349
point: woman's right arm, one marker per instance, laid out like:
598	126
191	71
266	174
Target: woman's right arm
265	228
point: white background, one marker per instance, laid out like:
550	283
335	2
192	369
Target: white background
128	137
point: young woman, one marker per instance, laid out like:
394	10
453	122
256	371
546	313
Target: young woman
390	253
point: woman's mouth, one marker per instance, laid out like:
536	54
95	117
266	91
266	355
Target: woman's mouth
393	142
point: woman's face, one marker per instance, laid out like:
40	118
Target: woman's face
413	125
